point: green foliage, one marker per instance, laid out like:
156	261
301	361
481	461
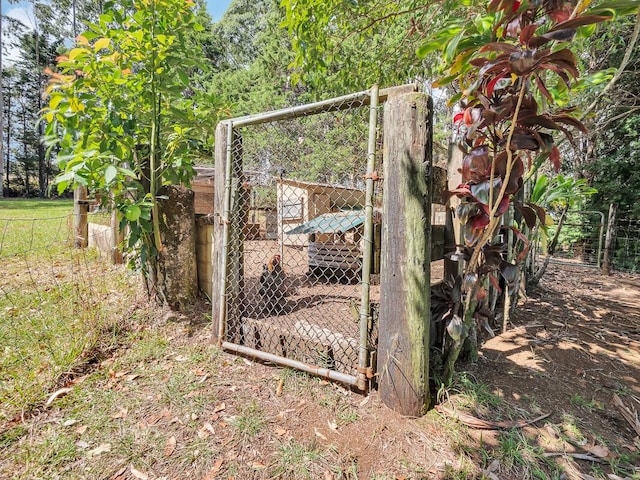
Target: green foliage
123	114
615	170
342	46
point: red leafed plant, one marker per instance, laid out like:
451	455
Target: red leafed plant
504	64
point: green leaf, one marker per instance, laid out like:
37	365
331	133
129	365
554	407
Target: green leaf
110	173
133	213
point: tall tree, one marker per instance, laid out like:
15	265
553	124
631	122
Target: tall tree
126	118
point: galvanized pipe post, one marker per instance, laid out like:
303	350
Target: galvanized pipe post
367	255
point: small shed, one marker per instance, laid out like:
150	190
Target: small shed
299	202
339	246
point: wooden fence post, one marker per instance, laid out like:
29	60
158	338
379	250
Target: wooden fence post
218	229
609	239
229	203
80	217
117	236
405	304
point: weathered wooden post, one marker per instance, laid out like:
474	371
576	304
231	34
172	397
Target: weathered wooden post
609	239
117	237
217	297
226	301
403	361
80	217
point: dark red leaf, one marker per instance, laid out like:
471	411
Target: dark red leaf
527	32
524	142
500	47
554	156
543	88
569	120
579	22
495	283
529	215
476	165
479	62
542	215
504	206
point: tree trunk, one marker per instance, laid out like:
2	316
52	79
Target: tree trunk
176	270
405	303
537	276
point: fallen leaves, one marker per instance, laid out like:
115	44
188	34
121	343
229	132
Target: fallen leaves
103	448
170	446
56	394
138	474
121	413
213	473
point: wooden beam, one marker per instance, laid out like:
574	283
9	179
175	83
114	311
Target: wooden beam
403	361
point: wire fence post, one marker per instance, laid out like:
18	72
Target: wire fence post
80	217
609	239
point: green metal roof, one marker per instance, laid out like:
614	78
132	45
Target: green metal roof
338	222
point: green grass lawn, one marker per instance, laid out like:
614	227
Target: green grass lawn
58	305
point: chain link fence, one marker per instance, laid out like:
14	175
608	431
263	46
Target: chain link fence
302	242
625	251
581	239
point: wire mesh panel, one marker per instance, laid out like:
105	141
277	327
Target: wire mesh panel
581	239
626	247
303	236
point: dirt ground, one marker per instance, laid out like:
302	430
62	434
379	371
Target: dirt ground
183	409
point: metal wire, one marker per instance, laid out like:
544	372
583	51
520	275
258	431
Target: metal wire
301	237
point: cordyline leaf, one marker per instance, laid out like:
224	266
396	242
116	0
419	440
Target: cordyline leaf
569	120
500	47
479	62
554	156
510	274
527	32
543	88
524	142
528	214
579	22
542	215
476	165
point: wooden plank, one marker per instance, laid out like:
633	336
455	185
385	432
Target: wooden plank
205	197
403	352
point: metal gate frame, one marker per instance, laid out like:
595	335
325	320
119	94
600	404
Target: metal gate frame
373	97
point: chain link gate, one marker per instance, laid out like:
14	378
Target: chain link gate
300	237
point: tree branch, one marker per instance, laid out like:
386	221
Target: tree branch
625	60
